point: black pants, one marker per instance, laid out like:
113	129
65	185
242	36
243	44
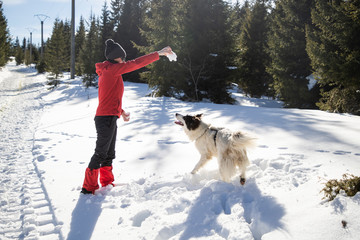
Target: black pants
106	129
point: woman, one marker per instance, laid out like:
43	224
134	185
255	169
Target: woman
111	89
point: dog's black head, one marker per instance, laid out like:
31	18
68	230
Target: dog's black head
191	122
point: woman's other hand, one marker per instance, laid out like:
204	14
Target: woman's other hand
125	116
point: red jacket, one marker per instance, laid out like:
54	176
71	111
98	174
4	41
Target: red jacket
111	85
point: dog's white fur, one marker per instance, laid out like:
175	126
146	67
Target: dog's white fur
229	147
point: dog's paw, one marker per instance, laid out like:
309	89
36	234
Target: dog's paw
242	181
193	172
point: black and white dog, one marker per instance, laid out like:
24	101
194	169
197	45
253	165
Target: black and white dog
229	147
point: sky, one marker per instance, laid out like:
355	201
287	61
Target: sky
21	18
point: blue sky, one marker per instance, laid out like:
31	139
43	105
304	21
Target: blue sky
20	15
21	19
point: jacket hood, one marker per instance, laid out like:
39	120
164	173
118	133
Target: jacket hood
100	67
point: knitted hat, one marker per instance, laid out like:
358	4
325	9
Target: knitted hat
113	50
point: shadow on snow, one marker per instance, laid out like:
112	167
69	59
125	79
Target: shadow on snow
84	217
262	213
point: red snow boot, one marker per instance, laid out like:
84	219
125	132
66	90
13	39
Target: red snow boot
90	181
106	176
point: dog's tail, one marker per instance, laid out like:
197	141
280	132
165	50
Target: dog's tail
243	140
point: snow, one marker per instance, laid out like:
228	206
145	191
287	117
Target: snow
312	81
244	100
172	56
48	137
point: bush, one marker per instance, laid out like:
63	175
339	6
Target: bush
349	183
53	82
41	66
89	80
343	100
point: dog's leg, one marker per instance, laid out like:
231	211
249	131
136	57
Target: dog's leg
203	160
242	176
225	169
222	172
242	167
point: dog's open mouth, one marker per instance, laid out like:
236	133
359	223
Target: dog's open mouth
179	123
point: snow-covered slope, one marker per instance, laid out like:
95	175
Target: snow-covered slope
48	137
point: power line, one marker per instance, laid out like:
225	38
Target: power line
42	18
72	60
30	30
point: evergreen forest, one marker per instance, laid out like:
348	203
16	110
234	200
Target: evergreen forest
304	53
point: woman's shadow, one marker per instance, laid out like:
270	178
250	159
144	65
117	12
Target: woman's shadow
85	216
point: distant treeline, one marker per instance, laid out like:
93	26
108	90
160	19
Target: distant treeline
269	48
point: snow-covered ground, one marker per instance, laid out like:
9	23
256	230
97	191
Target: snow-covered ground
47	139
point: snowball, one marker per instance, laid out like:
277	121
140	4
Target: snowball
172	56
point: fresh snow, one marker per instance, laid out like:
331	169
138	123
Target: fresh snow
48	137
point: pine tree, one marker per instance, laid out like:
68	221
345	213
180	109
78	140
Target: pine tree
34	54
67	39
252	58
41	63
205	51
56	57
115	13
334	48
4	38
79	45
162	28
127	32
237	18
290	64
19	52
26	50
106	28
27	54
91	53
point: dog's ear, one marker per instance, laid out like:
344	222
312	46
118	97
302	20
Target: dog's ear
199	116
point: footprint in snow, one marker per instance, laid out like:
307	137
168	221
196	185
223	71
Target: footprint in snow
322	151
41	158
340	152
140	217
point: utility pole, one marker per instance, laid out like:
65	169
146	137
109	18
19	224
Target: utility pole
30	30
72	61
42	18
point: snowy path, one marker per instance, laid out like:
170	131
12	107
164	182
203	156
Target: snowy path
26	212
